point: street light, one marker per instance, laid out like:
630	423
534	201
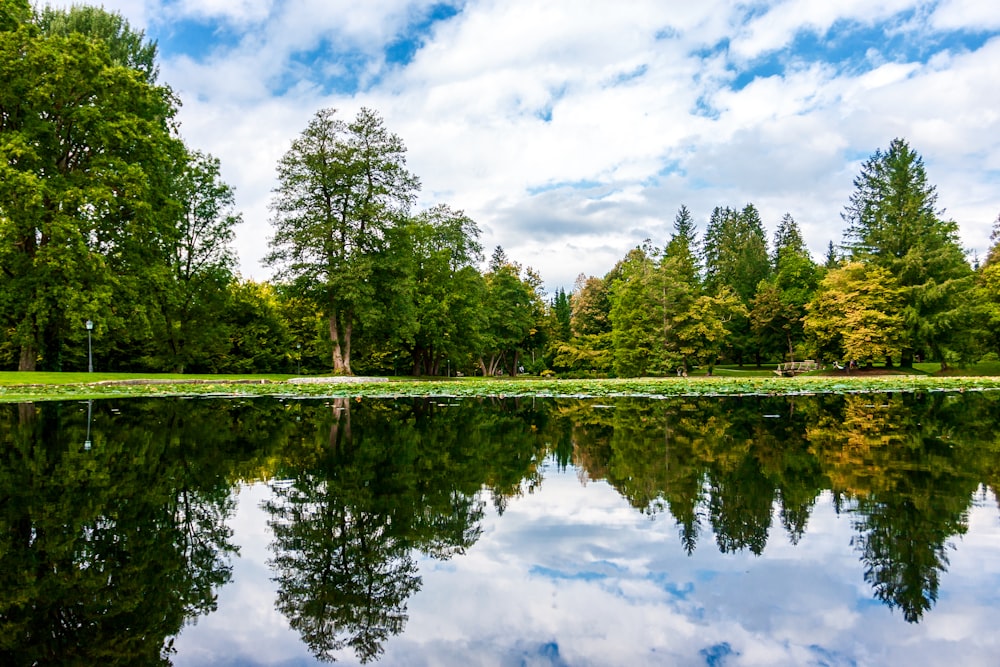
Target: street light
90	351
90	406
298	355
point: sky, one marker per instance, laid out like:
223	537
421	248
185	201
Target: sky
576	576
573	130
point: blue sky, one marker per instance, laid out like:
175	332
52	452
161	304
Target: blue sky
576	576
573	130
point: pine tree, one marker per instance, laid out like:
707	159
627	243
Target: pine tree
893	223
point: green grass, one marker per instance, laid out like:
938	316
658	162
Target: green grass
21	387
19	378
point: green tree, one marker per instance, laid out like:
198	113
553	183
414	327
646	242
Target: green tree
514	310
200	262
588	348
856	314
778	308
637	315
259	336
683	246
892	222
340	188
736	257
988	292
448	289
14	13
126	46
86	160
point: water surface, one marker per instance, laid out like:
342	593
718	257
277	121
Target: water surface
833	530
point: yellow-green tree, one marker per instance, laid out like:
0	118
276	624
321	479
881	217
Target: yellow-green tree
856	314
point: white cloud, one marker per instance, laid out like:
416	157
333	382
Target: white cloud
513	109
973	15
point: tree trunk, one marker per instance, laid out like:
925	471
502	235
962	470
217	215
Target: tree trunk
340	429
29	358
341	346
346	347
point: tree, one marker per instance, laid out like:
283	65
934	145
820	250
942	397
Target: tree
779	306
87	154
447	289
636	317
340	188
988	288
683	245
514	310
199	262
126	46
892	222
856	314
14	13
735	255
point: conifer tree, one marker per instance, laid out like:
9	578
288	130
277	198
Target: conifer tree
893	222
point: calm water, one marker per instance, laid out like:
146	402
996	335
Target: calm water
830	530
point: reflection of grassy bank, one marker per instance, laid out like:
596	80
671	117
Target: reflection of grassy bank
19	387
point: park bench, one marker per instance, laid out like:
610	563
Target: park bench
789	368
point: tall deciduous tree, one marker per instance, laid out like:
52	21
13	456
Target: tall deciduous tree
340	188
514	310
447	290
199	269
893	223
856	314
126	46
86	157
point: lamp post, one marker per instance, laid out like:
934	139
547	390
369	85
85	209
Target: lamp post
298	356
86	443
90	352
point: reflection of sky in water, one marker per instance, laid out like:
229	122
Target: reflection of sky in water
572	575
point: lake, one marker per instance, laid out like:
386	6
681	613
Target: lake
852	529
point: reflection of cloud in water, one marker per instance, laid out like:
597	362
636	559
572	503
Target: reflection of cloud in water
573	575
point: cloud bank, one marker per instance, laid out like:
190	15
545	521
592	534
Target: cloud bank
572	131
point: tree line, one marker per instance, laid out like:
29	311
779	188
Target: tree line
107	216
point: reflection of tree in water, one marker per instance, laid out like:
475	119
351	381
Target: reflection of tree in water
372	483
706	460
106	552
906	466
903	463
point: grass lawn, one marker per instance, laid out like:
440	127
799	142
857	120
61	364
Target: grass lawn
22	378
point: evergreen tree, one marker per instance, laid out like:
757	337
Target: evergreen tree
779	306
736	258
893	223
683	245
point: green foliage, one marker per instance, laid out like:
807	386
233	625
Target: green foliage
127	47
893	223
341	188
682	247
195	286
736	257
446	294
661	321
85	162
779	306
513	311
14	13
856	314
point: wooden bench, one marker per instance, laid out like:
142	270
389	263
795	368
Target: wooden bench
790	368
